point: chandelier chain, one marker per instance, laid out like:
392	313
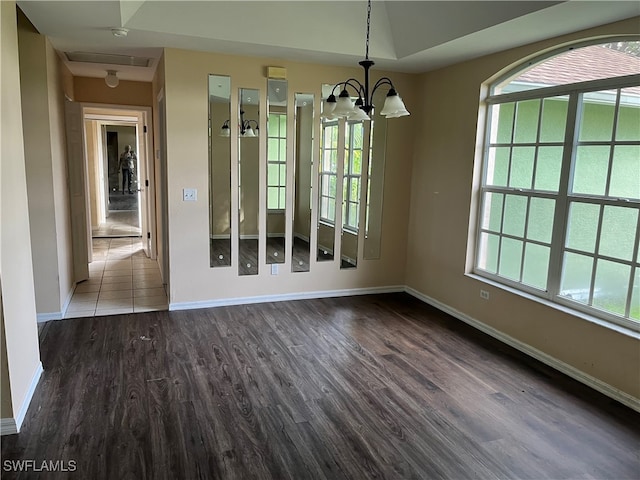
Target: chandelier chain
368	26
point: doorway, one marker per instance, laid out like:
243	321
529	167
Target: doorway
122	202
123	275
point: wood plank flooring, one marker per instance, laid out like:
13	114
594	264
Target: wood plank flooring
370	387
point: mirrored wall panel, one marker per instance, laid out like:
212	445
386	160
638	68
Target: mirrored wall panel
328	183
303	173
248	181
375	184
276	169
219	171
356	146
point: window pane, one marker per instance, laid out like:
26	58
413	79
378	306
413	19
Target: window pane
597	116
326	160
353	215
548	168
357	135
272	174
554	119
282	200
625	172
272	149
332	186
515	210
283	174
331	210
510	258
498	166
582	226
590	175
628	127
618	234
492	215
540	226
272	199
356	162
611	285
527	121
522	167
282	152
283	125
354	194
324	207
634	312
576	277
334	160
536	265
488	252
502	123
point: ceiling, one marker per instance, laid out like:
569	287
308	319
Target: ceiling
406	36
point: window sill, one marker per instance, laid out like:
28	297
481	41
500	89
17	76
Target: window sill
627	331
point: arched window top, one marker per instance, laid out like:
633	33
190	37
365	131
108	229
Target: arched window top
593	62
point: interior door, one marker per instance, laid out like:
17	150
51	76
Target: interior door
143	198
77	175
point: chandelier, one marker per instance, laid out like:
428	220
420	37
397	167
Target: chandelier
246	130
343	106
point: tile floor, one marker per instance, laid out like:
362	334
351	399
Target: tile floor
120	223
121	280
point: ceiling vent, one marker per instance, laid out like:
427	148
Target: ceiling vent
108	58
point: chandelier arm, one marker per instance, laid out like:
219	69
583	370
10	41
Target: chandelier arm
380	82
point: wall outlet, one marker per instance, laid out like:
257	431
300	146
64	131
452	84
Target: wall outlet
274	269
189	194
484	294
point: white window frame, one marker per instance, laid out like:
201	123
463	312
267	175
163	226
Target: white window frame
563	197
325	175
349	149
282	183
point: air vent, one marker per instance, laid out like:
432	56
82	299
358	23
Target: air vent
108	58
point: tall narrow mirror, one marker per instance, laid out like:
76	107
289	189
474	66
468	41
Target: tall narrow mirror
328	181
303	172
375	183
354	153
219	171
248	182
276	169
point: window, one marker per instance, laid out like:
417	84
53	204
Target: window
352	173
328	171
276	161
560	195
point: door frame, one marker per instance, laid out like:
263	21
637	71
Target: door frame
107	112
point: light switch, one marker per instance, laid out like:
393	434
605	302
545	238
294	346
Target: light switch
189	194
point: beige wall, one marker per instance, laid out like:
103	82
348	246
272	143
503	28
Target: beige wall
45	155
6	409
94	90
441	193
18	294
192	279
91	132
220	189
302	175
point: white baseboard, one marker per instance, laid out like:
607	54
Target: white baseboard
225	302
565	368
45	317
9	426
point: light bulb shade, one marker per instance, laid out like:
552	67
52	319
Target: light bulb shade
393	106
112	79
328	107
399	113
344	105
249	132
225	131
358	114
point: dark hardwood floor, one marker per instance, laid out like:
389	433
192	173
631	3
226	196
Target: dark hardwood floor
379	386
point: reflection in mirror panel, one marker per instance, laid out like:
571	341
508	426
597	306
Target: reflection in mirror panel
327	188
355	148
248	182
219	171
303	173
375	184
276	169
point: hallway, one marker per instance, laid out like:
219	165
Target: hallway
121	280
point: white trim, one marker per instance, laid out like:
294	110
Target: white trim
224	302
45	317
8	426
599	385
250	237
220	236
302	237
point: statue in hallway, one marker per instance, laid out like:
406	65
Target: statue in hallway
127	164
